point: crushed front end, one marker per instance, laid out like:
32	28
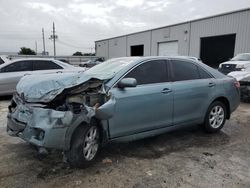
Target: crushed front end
46	124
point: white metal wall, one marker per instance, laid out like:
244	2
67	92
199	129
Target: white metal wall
188	36
138	39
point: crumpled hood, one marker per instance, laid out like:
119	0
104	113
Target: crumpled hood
44	88
239	75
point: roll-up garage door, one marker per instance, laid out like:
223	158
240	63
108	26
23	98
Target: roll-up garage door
168	48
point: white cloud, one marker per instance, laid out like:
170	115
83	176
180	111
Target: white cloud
129	3
133	24
100	21
90	9
45	7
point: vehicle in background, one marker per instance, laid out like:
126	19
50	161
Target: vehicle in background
92	62
122	99
194	58
240	62
13	71
4	59
64	60
244	79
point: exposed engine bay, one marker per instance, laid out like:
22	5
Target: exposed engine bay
76	99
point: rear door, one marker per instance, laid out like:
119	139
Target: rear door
193	87
12	73
145	107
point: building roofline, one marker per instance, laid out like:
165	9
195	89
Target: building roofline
180	23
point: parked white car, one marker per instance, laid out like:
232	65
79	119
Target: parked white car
240	62
11	72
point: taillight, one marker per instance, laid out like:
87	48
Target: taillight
237	84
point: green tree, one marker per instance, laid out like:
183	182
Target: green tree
26	51
77	54
89	54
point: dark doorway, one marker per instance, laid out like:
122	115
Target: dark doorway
217	49
137	50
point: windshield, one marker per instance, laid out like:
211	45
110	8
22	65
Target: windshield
110	67
242	57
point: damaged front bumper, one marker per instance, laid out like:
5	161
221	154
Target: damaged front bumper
40	126
245	90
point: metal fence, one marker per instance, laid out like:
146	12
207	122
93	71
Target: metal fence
73	60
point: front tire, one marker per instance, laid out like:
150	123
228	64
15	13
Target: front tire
84	146
215	117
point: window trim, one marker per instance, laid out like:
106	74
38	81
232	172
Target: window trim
167	66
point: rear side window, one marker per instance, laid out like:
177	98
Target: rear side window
45	65
204	74
150	72
18	67
184	70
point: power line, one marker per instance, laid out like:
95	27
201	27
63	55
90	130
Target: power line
70	45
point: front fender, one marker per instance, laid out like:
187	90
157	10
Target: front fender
107	110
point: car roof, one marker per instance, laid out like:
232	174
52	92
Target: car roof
160	57
37	59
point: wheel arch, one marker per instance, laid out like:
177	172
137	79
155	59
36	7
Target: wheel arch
226	102
73	130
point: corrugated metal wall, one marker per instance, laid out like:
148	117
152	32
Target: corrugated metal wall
188	36
235	23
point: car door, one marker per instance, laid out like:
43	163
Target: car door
145	107
192	89
46	66
12	73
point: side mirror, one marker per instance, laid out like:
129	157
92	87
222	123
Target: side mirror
127	82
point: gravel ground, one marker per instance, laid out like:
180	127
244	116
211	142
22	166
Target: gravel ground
184	158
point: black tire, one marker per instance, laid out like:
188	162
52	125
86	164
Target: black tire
76	156
212	127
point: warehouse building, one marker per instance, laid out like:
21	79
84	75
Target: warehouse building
213	39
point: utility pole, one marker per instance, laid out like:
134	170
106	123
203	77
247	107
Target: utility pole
44	51
36	46
54	37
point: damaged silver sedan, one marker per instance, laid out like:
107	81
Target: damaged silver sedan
122	99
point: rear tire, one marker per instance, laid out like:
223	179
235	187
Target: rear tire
215	117
85	145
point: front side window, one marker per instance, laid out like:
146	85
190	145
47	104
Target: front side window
18	67
150	72
45	65
184	70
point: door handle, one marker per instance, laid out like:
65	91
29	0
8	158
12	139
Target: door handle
166	90
211	84
26	74
59	72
